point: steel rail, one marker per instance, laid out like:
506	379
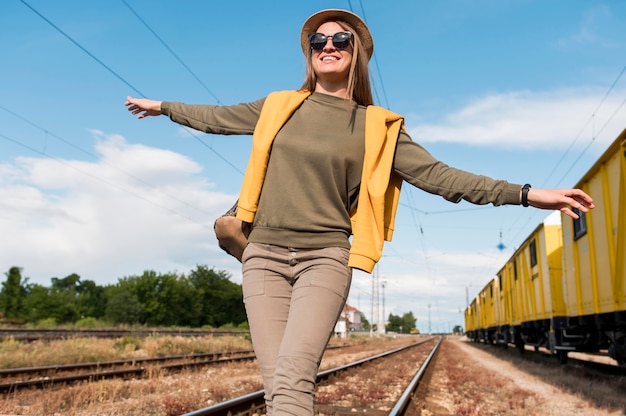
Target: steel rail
407	396
24	334
189	360
254	402
122	373
12	372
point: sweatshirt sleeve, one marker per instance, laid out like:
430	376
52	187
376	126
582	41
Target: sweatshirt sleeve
418	167
238	119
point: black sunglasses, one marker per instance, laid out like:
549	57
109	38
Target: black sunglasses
341	40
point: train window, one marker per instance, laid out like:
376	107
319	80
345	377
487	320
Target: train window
491	291
500	282
515	270
533	253
580	225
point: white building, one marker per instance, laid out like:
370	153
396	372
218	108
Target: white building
349	320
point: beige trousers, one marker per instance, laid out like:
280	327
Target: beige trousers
293	298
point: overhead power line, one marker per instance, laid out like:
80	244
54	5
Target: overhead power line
591	118
171	51
380	77
123	80
67	142
106	182
83	49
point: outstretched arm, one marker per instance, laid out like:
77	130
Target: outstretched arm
143	107
562	199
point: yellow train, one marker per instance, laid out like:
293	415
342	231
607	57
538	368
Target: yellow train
564	288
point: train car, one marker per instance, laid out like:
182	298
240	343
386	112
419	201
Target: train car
471	321
488	308
533	286
594	262
530	297
481	316
565	287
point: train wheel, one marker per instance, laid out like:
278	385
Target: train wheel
617	354
562	357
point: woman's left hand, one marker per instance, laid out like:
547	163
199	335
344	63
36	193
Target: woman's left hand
562	199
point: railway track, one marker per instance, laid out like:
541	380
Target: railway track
48	376
481	376
253	403
14	379
29	335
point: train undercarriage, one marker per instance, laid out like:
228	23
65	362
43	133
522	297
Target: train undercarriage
561	335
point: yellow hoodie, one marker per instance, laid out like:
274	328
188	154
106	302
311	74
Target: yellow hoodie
373	219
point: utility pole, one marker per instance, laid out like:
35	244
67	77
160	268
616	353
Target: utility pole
372	303
377	288
429	328
384	321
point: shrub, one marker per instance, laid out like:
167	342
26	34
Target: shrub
126	341
88	322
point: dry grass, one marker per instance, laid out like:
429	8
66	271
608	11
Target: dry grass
15	354
159	395
471	381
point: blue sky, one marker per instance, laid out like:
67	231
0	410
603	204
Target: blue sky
528	91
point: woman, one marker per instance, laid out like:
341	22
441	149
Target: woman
336	166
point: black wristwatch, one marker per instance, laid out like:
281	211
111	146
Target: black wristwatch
525	189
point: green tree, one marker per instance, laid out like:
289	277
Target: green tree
39	303
91	300
166	299
219	300
394	324
145	288
13	294
365	322
174	297
124	308
402	324
64	297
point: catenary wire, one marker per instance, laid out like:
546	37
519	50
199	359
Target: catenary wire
592	140
88	153
585	149
380	77
68	37
382	87
108	183
171	51
589	120
124	81
119	77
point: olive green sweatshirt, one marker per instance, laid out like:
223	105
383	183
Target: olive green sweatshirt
379	192
314	172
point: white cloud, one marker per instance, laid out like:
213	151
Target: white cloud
446	282
527	119
133	209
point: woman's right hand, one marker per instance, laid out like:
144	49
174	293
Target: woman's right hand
143	107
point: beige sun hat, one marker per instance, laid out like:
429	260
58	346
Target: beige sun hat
312	23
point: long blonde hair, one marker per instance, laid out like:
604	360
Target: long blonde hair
359	88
